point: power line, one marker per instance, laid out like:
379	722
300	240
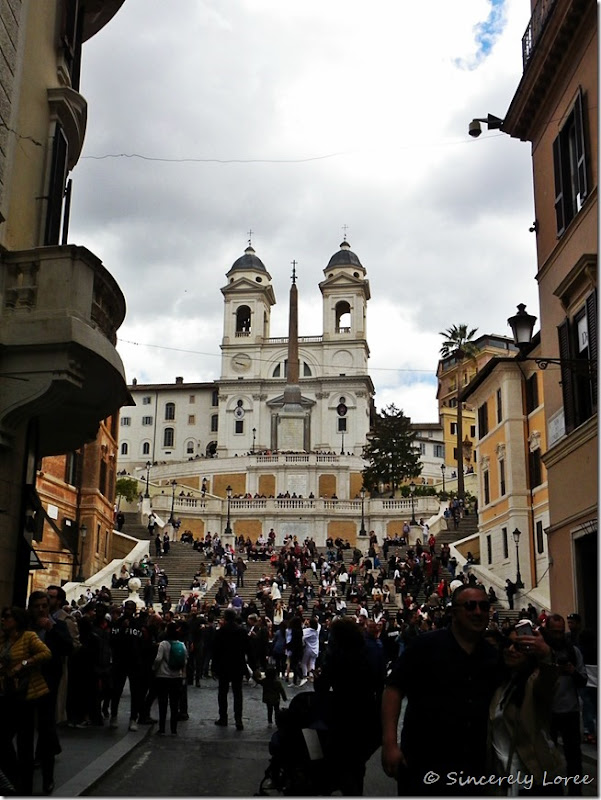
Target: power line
265	360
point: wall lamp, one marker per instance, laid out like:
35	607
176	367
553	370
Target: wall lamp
522	326
493	123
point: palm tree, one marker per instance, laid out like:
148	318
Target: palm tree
458	343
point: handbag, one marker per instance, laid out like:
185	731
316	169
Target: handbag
15	686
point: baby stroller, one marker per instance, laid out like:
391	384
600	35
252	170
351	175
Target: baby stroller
299	765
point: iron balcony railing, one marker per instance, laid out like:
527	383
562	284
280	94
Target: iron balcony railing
535	28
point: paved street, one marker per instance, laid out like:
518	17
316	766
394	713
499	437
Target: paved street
205	760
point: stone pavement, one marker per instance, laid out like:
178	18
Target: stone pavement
90	753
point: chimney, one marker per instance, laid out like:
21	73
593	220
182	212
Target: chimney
179	380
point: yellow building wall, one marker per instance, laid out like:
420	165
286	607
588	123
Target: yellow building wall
345	529
248	527
356	482
327	485
267	485
197	526
237	480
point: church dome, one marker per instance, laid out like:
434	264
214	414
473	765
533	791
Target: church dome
248	261
344	257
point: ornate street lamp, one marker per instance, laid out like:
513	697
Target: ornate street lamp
412	490
228	527
443	470
362	531
254	438
516	538
83	532
148	466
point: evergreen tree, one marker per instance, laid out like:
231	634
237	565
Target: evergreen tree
391	451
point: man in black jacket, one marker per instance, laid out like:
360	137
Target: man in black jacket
230	652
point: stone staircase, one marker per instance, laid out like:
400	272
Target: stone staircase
133	527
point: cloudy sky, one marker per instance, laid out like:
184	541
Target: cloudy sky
210	118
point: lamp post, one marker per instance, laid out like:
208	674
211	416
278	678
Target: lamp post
412	490
148	465
228	527
173	485
443	470
342	446
516	538
254	438
362	531
83	532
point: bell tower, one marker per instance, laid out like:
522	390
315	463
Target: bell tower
345	293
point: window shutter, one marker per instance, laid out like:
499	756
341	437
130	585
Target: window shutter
567	379
580	146
56	189
591	319
559	209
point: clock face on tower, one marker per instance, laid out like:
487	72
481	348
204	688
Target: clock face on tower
241	362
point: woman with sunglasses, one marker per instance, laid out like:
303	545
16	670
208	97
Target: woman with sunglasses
520	716
21	653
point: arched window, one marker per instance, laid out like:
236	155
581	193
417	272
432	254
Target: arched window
211	449
124	448
343	317
170	411
306	370
168	437
277	371
146	449
242	321
189	446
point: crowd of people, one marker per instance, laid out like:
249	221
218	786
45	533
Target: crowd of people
366	629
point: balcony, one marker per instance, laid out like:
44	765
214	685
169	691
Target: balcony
59	314
535	28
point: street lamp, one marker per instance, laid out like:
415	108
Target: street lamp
412	490
254	437
228	527
173	485
362	531
443	470
516	538
83	532
342	447
522	327
148	466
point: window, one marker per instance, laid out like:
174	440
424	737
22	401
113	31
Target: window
189	447
502	477
169	410
531	393
489	549
499	406
102	478
242	321
147	420
578	342
534	468
422	448
192	399
306	370
191	419
276	372
146	400
504	542
214	423
486	488
341	424
146	449
570	167
239	426
168	437
483	420
124	448
56	189
453	429
472	431
214	397
438	451
72	466
540	539
125	421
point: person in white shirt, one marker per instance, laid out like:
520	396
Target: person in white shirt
311	648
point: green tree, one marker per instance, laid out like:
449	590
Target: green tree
458	344
390	451
127	488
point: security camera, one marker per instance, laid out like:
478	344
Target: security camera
475	128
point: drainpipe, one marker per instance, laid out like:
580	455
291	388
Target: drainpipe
531	525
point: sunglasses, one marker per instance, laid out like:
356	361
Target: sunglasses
472	605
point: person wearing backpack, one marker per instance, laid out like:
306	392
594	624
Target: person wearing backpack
170	669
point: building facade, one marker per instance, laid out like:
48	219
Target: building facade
555	108
60	308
